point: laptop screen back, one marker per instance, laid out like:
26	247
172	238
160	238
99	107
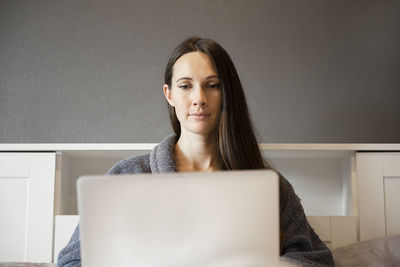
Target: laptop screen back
181	219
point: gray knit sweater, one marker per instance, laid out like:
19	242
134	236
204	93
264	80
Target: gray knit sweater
301	244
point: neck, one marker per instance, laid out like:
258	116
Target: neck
196	153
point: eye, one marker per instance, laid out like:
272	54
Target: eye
213	85
184	86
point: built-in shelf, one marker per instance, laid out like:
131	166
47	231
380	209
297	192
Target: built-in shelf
323	175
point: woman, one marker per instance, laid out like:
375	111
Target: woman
213	131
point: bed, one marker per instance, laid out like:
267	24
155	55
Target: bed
383	251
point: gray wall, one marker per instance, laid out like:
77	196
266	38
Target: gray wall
92	71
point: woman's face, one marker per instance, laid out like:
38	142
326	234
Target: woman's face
195	93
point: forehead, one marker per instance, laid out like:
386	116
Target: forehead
195	65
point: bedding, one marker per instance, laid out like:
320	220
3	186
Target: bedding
384	251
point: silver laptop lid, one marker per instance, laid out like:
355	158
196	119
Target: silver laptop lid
181	219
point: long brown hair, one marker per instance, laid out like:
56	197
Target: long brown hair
237	144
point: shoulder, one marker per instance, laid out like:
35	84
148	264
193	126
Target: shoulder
137	164
286	188
289	201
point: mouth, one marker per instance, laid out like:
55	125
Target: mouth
199	115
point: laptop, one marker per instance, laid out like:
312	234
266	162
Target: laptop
227	218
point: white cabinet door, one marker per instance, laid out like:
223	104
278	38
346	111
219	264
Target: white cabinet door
391	172
378	194
26	206
392	200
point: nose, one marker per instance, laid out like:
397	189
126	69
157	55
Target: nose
199	97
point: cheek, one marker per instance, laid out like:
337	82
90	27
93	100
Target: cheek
218	100
180	107
180	101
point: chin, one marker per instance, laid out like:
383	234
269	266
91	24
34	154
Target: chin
199	128
201	131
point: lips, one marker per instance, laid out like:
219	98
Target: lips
199	115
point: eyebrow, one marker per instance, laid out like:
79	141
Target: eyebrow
207	78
